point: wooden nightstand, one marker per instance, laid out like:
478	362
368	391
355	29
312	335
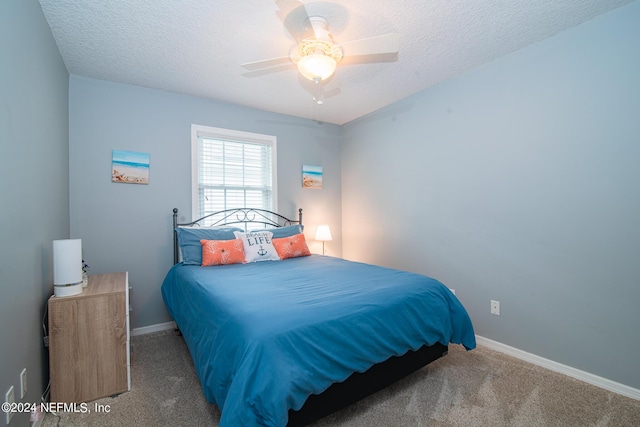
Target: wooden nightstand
89	354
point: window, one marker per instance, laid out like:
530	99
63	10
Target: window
231	169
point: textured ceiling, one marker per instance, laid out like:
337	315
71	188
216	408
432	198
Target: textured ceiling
196	47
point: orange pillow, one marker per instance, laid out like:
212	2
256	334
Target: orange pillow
291	247
219	252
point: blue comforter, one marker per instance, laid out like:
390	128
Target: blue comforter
264	336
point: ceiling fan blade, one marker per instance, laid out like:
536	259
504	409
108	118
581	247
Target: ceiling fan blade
271	70
294	16
334	91
386	43
265	63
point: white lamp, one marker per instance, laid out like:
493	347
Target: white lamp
67	267
318	55
323	233
317	66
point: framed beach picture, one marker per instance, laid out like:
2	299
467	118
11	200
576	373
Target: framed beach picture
130	167
312	177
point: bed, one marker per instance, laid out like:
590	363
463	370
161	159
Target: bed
287	342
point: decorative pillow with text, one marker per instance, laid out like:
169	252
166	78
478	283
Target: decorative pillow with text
257	246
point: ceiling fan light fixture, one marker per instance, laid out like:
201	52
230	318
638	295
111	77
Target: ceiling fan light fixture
317	66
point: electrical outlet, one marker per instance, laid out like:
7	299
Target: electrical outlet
23	383
10	398
495	307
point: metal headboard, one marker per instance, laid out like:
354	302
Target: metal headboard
239	216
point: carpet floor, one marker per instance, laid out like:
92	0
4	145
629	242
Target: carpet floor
477	388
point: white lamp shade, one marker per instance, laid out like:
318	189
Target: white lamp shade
317	66
323	233
67	262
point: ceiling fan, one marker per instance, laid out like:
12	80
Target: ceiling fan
316	53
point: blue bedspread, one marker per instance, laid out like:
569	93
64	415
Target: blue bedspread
264	336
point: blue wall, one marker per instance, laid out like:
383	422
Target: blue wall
126	227
518	181
34	189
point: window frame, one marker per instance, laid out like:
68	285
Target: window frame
236	136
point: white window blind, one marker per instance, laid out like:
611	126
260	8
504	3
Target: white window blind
232	170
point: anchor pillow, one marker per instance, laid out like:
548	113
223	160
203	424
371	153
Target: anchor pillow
257	246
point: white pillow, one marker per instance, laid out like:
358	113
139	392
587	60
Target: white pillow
257	246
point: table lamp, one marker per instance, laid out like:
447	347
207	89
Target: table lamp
323	233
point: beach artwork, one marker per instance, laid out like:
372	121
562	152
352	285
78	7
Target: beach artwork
130	167
312	177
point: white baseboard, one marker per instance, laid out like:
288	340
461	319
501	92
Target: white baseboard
592	379
153	328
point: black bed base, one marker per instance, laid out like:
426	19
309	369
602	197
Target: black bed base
361	385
